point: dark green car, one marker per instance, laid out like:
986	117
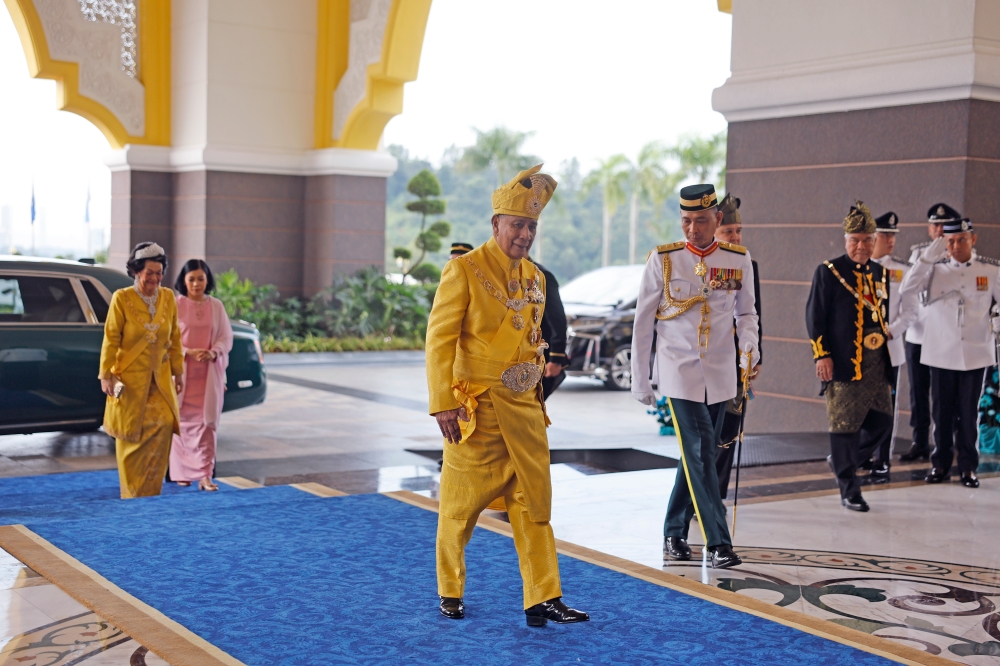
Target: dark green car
52	316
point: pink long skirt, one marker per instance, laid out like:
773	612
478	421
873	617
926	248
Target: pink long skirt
193	452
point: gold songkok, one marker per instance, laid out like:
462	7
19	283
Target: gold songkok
730	209
859	220
526	195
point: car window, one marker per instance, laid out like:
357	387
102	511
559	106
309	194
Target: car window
609	286
97	301
29	299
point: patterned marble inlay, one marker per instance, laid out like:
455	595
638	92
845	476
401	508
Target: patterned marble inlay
116	12
70	640
949	610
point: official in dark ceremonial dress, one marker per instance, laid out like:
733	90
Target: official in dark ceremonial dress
847	319
690	294
956	289
731	231
920	374
554	333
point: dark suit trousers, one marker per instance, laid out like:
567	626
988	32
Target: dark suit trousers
848	450
920	396
956	396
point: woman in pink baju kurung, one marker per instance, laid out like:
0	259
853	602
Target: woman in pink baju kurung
207	338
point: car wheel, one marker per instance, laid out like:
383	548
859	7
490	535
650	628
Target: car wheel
620	370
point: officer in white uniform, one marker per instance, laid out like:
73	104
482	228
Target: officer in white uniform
920	374
956	289
886	232
690	293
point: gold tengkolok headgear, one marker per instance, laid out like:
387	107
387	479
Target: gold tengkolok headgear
859	220
525	195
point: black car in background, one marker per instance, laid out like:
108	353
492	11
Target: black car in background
52	316
600	309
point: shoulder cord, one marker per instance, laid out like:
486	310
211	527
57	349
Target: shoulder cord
704	326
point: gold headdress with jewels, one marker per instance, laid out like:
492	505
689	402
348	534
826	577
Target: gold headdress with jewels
525	195
859	220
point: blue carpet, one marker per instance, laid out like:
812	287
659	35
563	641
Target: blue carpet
276	576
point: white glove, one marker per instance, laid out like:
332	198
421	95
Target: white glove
935	252
749	357
647	399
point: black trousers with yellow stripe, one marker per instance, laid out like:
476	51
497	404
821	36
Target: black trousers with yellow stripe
696	489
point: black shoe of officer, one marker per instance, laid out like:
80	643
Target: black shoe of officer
969	480
936	475
676	548
856	503
452	607
879	473
555	610
723	557
917	451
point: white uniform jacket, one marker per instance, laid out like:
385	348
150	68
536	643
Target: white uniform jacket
956	311
915	331
695	354
896	270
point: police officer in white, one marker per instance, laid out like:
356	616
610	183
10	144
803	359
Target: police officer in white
690	293
956	290
886	232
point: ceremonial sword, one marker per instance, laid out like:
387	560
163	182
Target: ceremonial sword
739	439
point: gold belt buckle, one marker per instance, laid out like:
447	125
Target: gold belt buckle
874	341
521	377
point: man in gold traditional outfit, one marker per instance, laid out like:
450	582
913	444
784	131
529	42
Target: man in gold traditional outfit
484	365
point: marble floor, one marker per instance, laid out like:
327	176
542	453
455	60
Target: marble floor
40	625
922	567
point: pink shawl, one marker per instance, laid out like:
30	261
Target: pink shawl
215	385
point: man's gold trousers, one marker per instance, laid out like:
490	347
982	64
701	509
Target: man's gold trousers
475	473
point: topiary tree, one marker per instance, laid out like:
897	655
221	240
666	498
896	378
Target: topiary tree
426	188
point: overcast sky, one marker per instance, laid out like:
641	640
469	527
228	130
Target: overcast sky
589	78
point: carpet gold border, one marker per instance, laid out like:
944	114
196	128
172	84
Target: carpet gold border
877	645
166	638
318	489
238	482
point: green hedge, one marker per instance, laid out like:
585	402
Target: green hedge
315	344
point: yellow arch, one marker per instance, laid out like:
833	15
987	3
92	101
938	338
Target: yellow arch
154	72
401	47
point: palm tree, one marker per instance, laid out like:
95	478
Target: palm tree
498	149
648	180
611	176
702	157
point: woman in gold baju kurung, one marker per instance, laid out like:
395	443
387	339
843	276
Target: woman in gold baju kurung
142	350
484	363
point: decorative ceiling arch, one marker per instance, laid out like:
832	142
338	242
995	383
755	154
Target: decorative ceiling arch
366	51
89	49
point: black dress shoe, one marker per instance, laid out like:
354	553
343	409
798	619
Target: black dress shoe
856	503
452	607
676	548
921	451
723	557
969	480
936	475
879	473
555	610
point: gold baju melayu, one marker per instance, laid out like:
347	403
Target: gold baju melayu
142	349
484	354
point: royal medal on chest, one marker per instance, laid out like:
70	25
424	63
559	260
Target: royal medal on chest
700	269
518	321
513	286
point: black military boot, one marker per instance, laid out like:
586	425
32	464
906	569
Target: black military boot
676	548
936	475
855	503
969	480
555	610
452	607
879	473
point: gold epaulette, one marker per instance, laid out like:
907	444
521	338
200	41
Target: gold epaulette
670	247
732	247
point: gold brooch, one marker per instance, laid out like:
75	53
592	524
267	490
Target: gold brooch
518	321
705	201
521	377
874	341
